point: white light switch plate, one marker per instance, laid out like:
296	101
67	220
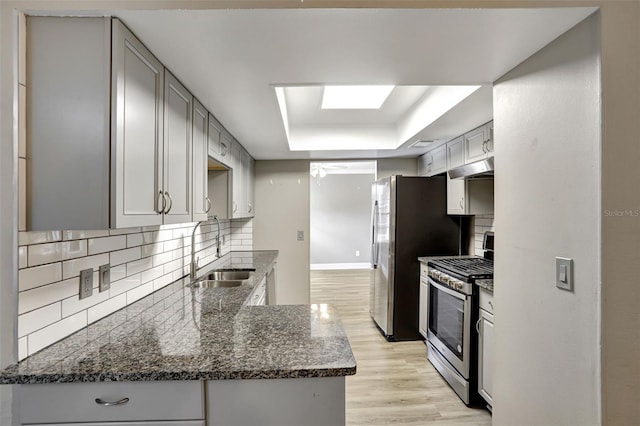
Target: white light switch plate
564	273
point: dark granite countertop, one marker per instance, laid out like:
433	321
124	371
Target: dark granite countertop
182	333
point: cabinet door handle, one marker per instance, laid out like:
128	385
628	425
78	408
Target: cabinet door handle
122	401
478	325
235	207
250	208
461	200
208	204
484	146
491	304
170	202
223	149
164	203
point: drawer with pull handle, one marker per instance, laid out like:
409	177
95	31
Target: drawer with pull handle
486	300
110	401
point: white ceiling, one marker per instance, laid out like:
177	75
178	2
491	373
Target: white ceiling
231	59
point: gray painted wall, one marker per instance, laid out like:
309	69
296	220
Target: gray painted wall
282	209
547	151
396	166
341	218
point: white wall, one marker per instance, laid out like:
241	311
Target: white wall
341	219
396	166
547	151
282	209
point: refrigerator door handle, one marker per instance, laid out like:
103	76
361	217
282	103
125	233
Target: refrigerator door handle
374	254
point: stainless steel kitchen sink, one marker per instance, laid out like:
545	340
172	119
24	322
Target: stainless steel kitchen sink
223	278
229	275
203	283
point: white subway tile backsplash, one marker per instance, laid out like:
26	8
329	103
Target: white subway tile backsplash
139	292
151	274
47	294
40	318
39	275
118	272
82	235
123	256
124	231
162	258
56	331
107	244
22	257
103	309
73	249
40	254
142	260
139	265
134	240
74	304
23	350
38	237
163	281
72	268
126	284
151	249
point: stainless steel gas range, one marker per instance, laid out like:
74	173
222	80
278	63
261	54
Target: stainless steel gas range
452	311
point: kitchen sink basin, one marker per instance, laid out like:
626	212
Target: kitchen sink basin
223	278
230	275
204	283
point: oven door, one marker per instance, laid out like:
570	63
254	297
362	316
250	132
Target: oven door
449	325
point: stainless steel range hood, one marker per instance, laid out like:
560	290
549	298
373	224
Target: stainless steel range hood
476	170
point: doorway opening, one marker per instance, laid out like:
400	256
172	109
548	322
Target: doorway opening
340	214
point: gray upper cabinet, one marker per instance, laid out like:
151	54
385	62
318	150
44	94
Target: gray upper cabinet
137	91
177	173
201	201
219	147
68	106
237	181
478	143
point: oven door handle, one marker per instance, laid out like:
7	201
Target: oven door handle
447	290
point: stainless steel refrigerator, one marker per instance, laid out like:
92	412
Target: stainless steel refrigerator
409	220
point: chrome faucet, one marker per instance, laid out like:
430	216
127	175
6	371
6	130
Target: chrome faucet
194	262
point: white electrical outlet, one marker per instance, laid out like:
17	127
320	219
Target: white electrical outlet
86	283
105	278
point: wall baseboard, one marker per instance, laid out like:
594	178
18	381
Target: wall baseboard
328	266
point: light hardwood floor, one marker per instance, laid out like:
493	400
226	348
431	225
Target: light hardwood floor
394	383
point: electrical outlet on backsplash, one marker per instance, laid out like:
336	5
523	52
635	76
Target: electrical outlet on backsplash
141	260
483	223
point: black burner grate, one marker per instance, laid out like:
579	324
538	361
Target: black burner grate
469	267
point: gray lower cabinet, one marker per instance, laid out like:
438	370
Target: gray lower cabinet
175	402
485	347
315	401
263	402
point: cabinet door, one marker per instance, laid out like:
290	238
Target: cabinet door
424	164
475	144
137	95
485	356
456	196
439	160
422	316
237	180
455	153
215	130
201	202
489	135
250	185
177	176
